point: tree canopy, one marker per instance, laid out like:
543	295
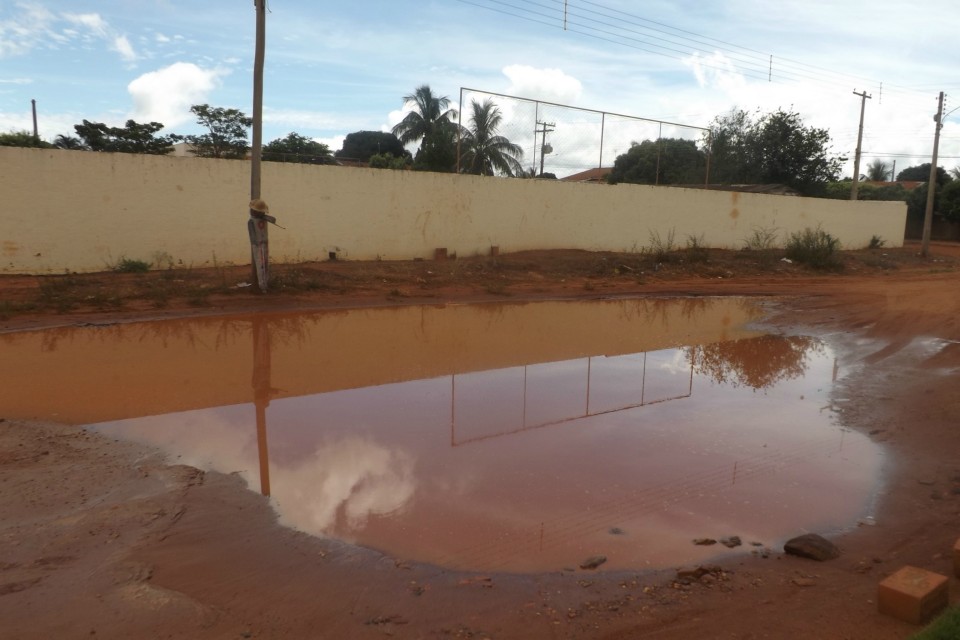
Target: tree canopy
775	148
483	151
878	170
921	173
134	137
429	113
430	121
226	135
664	161
361	145
950	201
297	148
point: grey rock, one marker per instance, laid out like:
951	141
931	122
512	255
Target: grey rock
812	546
593	562
731	542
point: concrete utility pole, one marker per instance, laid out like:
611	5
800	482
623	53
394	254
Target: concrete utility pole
543	146
856	162
932	182
36	131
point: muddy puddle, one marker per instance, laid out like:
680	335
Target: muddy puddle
508	437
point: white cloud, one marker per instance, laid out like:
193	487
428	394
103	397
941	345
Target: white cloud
21	33
552	85
91	21
99	27
715	71
167	94
159	37
122	46
334	143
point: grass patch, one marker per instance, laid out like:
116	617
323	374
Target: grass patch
815	248
762	243
661	247
946	627
696	251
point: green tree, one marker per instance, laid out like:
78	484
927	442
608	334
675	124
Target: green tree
921	173
878	170
429	114
438	151
297	148
917	201
955	173
950	201
664	161
22	139
388	161
360	145
774	149
431	122
226	135
730	140
134	137
70	142
483	152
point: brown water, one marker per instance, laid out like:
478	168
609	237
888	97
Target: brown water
495	437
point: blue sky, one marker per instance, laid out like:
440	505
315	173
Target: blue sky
337	67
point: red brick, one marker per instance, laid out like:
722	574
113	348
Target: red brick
913	595
956	558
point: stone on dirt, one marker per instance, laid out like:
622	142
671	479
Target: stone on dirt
812	546
731	542
593	562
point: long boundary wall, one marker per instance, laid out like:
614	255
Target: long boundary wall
83	211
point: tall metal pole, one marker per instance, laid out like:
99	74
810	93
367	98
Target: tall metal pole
255	151
856	163
932	182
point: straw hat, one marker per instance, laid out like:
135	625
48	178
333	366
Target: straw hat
259	206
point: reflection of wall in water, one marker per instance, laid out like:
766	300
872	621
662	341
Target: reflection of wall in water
94	374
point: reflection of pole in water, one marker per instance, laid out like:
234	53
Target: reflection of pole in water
261	396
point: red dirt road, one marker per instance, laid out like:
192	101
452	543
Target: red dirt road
104	539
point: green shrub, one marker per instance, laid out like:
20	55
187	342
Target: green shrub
815	248
127	265
876	242
762	239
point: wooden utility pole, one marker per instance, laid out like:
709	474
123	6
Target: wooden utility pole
856	162
255	151
932	181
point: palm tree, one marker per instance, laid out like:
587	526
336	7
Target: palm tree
70	142
483	152
429	113
878	170
955	172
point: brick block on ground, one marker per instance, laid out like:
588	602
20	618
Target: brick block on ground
913	595
956	558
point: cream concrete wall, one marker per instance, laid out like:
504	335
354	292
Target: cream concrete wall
82	211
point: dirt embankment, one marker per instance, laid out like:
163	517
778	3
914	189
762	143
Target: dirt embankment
105	539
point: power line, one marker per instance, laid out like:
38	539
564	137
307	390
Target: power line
748	62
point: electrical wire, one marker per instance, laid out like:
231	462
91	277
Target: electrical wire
748	62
